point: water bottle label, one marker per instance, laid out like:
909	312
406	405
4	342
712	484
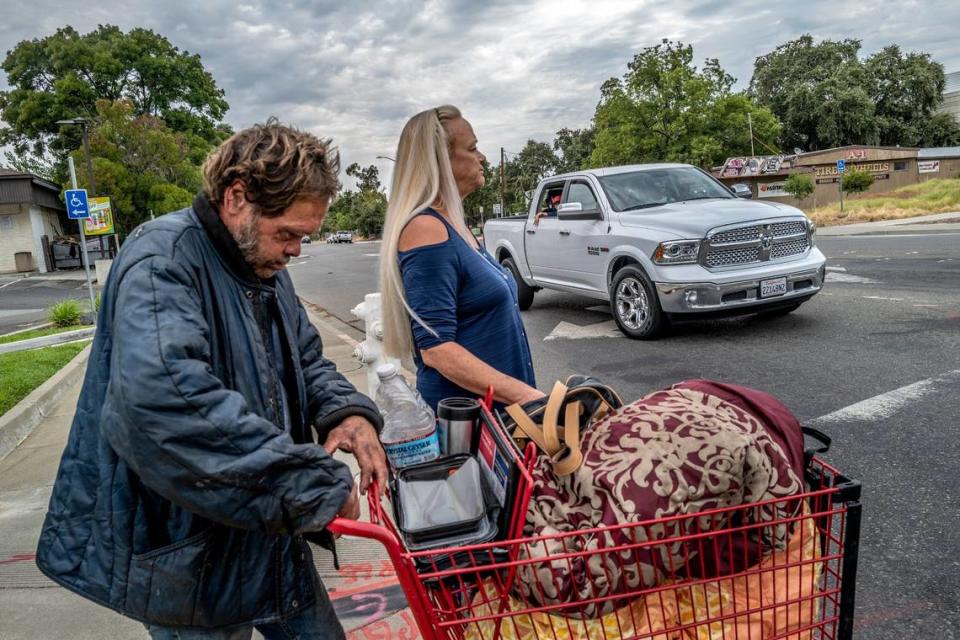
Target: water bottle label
410	452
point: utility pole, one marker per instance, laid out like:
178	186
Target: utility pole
503	183
83	245
750	125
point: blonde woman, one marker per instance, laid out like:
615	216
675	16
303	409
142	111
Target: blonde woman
445	299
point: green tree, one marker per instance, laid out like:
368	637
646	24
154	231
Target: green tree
826	96
140	163
665	109
906	89
857	181
367	178
574	148
534	162
799	185
64	75
362	210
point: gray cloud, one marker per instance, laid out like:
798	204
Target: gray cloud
355	71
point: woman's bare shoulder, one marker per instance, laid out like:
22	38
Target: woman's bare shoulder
422	231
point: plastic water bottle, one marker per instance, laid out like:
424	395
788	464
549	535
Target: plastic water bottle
409	433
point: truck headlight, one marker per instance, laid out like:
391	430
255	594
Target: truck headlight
811	230
677	252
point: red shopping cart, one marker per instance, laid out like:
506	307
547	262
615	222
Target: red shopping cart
805	590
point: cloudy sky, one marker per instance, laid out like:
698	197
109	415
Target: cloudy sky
356	70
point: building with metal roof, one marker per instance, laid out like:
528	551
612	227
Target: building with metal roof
30	211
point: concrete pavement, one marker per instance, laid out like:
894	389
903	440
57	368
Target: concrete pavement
364	591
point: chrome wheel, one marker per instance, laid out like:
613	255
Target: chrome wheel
633	306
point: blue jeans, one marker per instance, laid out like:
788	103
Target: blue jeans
319	622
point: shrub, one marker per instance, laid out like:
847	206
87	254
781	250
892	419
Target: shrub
66	313
856	181
799	185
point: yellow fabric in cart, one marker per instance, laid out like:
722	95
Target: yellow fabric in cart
657	616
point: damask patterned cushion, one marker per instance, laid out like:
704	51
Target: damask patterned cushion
697	446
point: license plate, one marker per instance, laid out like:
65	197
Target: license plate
773	287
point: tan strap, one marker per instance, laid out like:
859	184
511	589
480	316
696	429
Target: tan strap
570	457
526	428
551	416
565	456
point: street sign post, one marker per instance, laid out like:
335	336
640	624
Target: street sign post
841	167
79	209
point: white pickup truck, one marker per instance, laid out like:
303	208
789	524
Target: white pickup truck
660	242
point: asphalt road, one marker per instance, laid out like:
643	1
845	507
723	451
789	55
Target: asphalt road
24	301
873	360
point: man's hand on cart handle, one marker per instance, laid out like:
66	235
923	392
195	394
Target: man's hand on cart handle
357	436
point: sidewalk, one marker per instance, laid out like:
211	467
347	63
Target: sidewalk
933	223
365	591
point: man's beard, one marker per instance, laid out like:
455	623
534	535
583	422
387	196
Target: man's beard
248	240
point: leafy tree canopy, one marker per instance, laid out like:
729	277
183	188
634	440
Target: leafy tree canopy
140	163
665	109
826	96
62	76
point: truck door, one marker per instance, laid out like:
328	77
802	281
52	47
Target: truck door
541	236
582	238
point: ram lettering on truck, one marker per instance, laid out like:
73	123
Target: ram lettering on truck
660	242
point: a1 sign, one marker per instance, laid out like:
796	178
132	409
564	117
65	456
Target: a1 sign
77	206
841	166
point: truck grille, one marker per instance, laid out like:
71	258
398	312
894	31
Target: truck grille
782	249
756	243
725	257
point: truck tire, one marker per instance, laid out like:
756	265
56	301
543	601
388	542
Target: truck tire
635	305
524	291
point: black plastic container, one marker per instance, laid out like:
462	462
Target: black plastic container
436	470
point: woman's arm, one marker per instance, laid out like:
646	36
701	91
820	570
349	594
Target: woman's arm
470	372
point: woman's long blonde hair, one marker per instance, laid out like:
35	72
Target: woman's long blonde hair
422	177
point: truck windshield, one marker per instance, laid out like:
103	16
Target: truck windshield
655	187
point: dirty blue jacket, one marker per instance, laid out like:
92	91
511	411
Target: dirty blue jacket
183	493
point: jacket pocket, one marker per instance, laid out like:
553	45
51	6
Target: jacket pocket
163	584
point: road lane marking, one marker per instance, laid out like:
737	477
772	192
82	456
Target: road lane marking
882	298
371	255
9	283
887	404
830	269
849	279
569	331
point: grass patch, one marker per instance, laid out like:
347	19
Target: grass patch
23	371
933	196
38	333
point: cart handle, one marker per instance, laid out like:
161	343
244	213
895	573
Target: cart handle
378	529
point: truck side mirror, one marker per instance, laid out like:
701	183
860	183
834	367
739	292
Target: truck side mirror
574	211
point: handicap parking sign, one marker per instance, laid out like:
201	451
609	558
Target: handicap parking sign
841	166
77	207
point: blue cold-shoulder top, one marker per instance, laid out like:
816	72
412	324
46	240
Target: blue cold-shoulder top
464	296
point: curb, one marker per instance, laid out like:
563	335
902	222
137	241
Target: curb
20	421
33	328
47	341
